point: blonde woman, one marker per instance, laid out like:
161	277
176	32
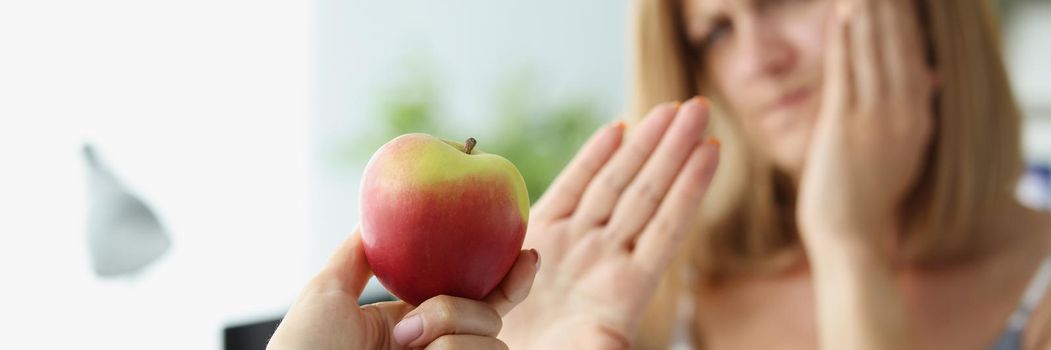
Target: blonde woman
863	198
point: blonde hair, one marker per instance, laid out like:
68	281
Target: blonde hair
747	223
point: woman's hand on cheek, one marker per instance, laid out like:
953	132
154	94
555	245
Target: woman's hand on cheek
327	315
865	155
873	130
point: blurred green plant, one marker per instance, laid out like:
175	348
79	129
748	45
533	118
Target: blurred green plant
1005	6
539	138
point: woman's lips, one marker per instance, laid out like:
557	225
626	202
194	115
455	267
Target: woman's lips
793	98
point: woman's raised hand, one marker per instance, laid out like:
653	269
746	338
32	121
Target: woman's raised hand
866	153
609	226
873	129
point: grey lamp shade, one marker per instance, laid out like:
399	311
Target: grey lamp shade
124	234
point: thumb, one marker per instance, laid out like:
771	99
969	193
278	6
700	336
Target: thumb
347	269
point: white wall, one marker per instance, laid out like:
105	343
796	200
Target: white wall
201	106
1028	51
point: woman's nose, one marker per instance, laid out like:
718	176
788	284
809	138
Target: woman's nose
765	50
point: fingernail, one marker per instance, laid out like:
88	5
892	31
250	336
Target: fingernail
692	99
703	101
536	255
712	140
619	125
678	104
408	330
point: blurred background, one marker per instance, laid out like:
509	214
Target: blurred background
172	172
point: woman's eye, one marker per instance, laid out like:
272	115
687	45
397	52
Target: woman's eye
774	3
719	30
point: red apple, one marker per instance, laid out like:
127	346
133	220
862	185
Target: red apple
440	217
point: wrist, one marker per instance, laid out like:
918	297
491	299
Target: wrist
856	289
850	246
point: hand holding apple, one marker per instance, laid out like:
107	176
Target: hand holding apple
441	218
327	316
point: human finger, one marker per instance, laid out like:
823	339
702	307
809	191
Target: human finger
561	198
668	228
466	342
516	284
602	193
648	190
444	315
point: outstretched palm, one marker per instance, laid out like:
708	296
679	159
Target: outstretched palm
608	227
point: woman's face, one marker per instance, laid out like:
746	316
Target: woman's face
764	59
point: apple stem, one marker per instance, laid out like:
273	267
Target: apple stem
468	145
